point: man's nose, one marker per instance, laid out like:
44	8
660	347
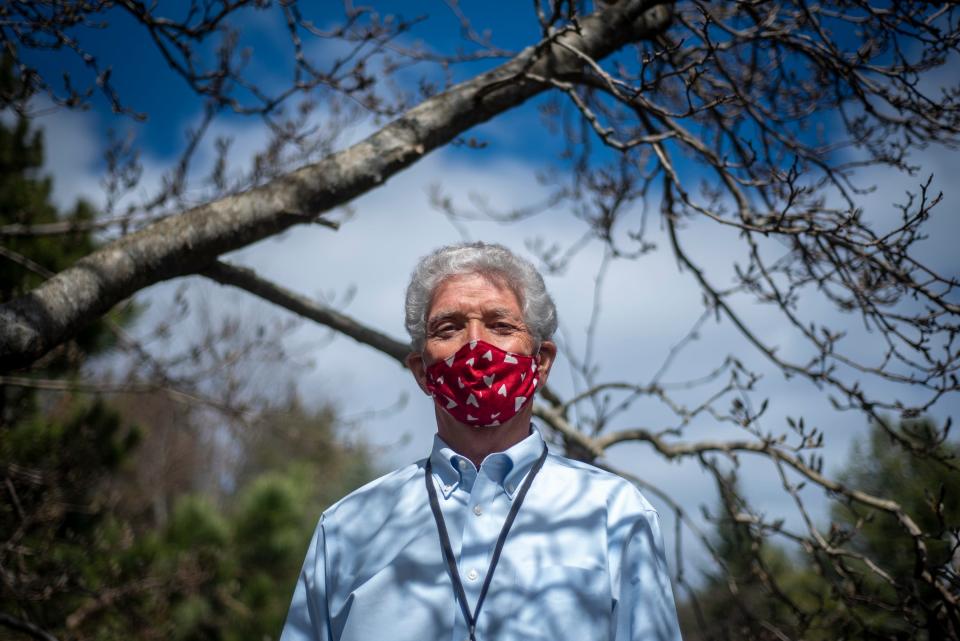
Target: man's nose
476	330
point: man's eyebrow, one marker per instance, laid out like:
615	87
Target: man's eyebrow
496	312
443	316
499	312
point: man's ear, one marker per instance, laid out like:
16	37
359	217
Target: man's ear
545	359
416	366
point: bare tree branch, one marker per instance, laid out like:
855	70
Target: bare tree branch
189	242
23	626
248	280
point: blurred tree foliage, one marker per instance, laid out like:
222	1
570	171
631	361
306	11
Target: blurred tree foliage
30	259
736	603
86	558
115	521
930	494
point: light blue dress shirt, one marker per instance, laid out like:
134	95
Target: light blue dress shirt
584	560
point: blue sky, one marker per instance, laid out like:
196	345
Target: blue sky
149	86
648	304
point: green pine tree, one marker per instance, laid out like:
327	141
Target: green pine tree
736	599
30	259
929	492
814	599
232	567
55	450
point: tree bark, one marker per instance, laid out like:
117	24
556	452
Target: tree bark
189	242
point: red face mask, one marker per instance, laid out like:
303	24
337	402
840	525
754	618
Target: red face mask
482	385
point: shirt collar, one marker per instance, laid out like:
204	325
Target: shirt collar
507	468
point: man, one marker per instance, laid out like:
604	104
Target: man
491	537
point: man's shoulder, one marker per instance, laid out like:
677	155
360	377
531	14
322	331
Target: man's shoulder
380	495
603	484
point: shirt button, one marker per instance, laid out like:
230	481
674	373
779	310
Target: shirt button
472	575
463	465
477	510
510	488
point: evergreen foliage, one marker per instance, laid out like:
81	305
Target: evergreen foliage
737	602
930	494
25	200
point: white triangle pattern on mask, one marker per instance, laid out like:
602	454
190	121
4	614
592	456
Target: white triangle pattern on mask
518	403
488	380
488	355
510	358
503	390
473	401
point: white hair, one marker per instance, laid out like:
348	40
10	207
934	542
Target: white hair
488	260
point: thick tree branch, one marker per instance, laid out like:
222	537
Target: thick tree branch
187	243
248	280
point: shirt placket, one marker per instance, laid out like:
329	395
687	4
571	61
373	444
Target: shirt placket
486	512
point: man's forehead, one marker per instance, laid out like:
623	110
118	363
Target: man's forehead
474	292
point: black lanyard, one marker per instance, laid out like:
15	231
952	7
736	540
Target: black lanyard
448	550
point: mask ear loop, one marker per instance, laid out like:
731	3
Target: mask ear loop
536	358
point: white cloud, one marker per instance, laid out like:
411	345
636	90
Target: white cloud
72	154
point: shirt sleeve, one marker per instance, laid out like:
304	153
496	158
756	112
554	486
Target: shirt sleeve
308	618
645	608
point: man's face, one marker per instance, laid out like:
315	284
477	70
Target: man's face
472	307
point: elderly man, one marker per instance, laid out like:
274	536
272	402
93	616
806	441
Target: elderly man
490	537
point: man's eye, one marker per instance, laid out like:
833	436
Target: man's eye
443	330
